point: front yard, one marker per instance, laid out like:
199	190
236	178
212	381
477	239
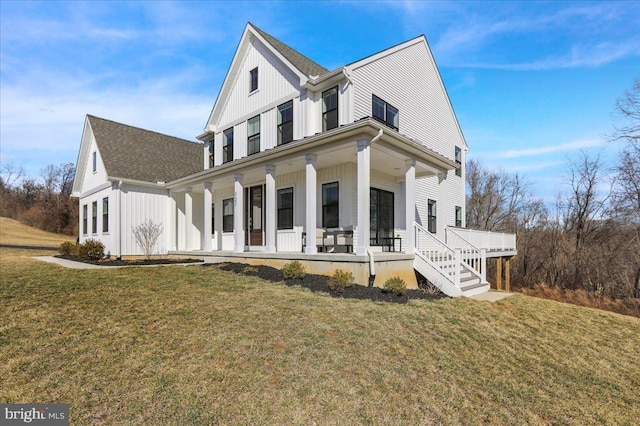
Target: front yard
196	345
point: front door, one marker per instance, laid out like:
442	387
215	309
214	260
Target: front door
255	218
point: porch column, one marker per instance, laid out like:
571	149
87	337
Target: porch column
238	209
310	208
410	203
206	243
171	222
188	220
270	205
363	208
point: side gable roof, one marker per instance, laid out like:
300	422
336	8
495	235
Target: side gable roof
137	154
302	66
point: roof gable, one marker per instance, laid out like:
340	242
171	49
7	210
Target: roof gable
129	152
298	64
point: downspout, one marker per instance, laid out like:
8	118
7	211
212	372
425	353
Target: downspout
372	263
119	234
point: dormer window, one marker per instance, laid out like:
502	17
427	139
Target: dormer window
253	80
330	109
382	111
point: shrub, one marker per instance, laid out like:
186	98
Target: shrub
340	280
395	285
91	250
293	271
147	235
67	248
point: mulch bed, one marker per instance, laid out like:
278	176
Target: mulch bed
136	262
319	283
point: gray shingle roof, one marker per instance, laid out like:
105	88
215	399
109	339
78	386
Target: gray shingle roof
304	64
133	153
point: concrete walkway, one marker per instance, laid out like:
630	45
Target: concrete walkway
71	264
491	296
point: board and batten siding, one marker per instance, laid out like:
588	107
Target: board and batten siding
408	79
140	204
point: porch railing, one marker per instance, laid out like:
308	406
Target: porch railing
474	256
486	239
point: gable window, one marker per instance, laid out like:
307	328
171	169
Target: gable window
431	216
285	208
95	161
253	135
330	205
253	80
94	217
285	123
458	216
211	153
227	145
382	111
227	215
458	161
85	214
330	109
105	214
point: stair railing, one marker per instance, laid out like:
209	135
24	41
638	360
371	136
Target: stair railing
476	258
430	248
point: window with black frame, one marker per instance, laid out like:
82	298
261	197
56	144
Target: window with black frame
330	205
253	80
105	214
285	208
285	123
330	109
459	216
213	219
431	216
227	215
94	217
253	135
458	157
381	217
384	112
227	145
85	213
211	153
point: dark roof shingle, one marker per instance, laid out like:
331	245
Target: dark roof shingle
133	153
304	64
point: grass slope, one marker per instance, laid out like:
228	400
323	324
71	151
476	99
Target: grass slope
194	345
16	233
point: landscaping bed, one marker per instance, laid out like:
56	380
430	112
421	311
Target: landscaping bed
319	283
132	262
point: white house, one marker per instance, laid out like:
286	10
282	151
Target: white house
359	168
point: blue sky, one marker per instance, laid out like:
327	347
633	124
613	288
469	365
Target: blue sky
532	83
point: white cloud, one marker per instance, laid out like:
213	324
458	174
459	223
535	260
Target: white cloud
548	149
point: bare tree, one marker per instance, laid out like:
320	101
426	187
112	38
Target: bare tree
146	235
10	175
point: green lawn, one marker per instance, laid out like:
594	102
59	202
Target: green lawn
194	345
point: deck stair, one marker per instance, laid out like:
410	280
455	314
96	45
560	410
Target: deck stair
455	271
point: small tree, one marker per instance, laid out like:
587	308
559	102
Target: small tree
146	235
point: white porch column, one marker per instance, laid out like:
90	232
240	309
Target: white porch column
270	226
171	222
363	208
310	208
410	203
238	208
188	220
206	243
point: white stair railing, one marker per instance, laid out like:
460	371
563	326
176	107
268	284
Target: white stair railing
476	258
439	255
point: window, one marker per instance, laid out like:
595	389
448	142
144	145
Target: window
382	111
253	135
227	145
253	80
211	153
95	161
85	214
330	109
94	217
227	215
213	219
105	214
380	216
431	216
285	208
330	207
458	216
285	123
459	161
